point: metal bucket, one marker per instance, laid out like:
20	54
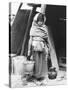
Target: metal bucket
21	65
28	66
17	65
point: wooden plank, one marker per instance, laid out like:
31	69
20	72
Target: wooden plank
28	29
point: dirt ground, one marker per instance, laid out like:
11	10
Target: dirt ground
18	82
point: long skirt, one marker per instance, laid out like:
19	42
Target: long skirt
40	68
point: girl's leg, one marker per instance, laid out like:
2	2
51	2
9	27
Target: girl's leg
38	64
36	59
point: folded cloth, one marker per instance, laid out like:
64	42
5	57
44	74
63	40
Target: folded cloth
38	45
37	30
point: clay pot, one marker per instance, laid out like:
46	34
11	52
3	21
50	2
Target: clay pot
52	74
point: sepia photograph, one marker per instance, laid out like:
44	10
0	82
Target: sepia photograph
37	45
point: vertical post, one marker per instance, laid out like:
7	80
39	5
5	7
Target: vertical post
43	8
28	28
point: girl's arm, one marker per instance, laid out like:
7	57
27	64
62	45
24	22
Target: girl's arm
29	45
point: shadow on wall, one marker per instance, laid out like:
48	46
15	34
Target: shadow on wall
56	22
18	30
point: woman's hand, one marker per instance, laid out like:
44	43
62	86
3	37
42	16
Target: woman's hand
28	57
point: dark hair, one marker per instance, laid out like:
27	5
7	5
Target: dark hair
40	17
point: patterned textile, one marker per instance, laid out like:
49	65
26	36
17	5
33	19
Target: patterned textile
39	36
37	31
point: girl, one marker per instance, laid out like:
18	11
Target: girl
40	46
